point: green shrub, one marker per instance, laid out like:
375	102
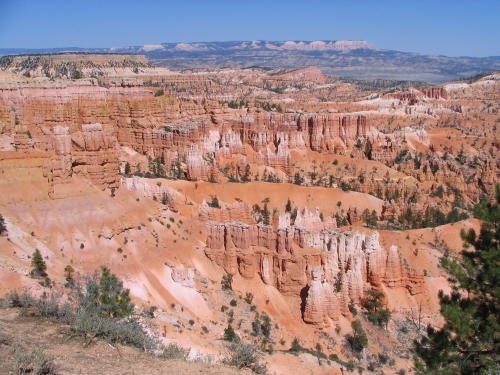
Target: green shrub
113	300
76	74
127	331
352	308
173	351
241	356
230	335
248	298
383	359
214	202
3	227
295	347
68	276
227	282
36	362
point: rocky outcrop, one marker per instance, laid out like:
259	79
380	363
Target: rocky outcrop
321	303
197	167
61	165
263	138
22	138
237	211
90	152
393	276
435	92
94	155
183	276
147	188
290	256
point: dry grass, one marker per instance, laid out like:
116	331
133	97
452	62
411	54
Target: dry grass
75	355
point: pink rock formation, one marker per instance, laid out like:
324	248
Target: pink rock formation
283	257
94	155
435	92
197	168
146	188
62	163
321	303
237	211
393	276
183	276
311	221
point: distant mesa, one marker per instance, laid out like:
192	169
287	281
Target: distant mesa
319	45
152	47
353	59
289	45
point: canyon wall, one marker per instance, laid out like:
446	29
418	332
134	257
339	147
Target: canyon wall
329	268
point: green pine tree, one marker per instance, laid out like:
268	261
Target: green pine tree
126	170
68	276
375	310
3	227
358	339
113	299
230	335
266	215
38	264
469	342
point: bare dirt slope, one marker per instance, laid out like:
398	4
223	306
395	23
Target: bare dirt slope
73	355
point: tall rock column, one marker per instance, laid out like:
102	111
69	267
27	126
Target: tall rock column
321	303
393	274
61	166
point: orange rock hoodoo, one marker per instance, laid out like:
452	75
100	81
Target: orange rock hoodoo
290	256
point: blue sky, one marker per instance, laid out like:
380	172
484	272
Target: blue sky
437	27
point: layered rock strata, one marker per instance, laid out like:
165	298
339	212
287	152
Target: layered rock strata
292	258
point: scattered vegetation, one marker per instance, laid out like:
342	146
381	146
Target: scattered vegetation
34	362
165	200
248	298
100	308
173	351
262	215
242	355
235	104
3	226
126	169
358	339
227	282
381	84
214	202
295	346
375	310
68	276
261	326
